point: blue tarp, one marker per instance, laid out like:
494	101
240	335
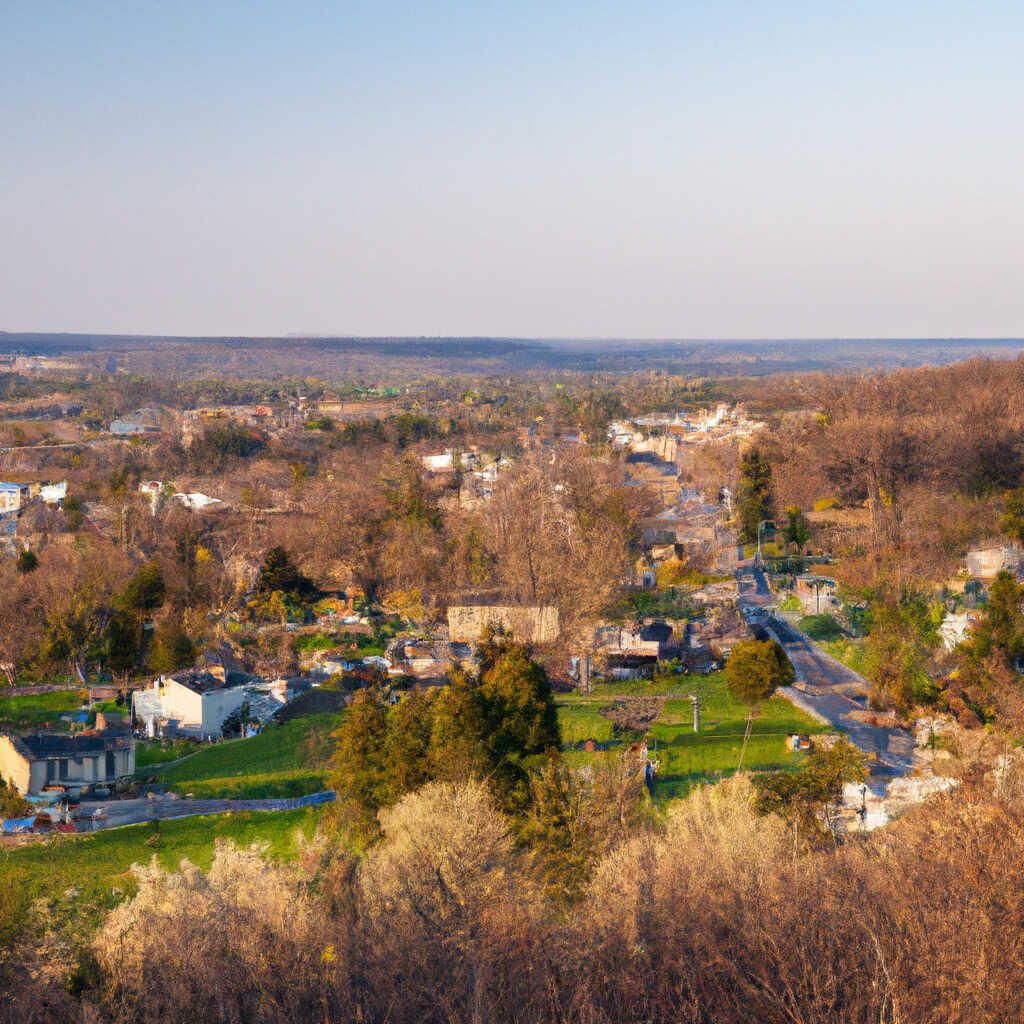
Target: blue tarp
11	825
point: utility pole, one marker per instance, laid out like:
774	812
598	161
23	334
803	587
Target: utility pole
696	711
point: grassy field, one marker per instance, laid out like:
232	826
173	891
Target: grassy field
159	752
820	627
689	758
848	650
285	760
34	709
83	875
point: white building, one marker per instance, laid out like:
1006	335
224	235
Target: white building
194	702
955	628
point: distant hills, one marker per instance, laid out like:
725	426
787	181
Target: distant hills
331	357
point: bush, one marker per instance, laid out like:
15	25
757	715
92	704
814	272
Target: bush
820	627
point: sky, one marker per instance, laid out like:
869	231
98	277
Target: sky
518	169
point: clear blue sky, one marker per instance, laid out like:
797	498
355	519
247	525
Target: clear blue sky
720	169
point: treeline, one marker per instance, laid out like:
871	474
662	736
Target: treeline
894	439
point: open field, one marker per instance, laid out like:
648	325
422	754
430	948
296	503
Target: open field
33	710
688	758
87	873
286	760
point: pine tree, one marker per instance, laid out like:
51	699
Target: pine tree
359	775
755	498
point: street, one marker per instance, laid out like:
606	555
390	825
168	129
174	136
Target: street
825	688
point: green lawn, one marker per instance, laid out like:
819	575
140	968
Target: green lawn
84	875
688	758
848	650
265	786
161	751
581	721
820	627
285	760
33	710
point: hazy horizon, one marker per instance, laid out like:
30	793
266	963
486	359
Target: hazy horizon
572	173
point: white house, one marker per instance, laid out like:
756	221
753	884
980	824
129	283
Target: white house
54	494
195	701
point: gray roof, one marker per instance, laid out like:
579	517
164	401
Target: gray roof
41	745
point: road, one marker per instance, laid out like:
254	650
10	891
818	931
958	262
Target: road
162	808
826	688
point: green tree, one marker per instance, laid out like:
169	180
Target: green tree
796	528
279	573
145	591
559	828
898	650
755	497
1013	519
754	671
808	798
124	641
1001	631
28	561
359	773
520	707
12	803
407	745
172	649
458	736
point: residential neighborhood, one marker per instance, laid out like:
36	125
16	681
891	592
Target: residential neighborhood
240	616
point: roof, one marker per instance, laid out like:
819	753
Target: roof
41	745
200	681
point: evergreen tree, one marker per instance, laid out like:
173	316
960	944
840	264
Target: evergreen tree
1013	519
520	707
755	497
279	573
144	592
458	736
796	528
407	744
28	561
359	775
172	649
124	641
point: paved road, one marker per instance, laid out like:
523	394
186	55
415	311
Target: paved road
826	688
134	812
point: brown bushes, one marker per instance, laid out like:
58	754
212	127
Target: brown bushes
712	918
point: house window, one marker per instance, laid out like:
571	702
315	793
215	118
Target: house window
51	771
64	774
111	771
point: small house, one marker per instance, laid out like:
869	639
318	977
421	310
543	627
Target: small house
72	762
